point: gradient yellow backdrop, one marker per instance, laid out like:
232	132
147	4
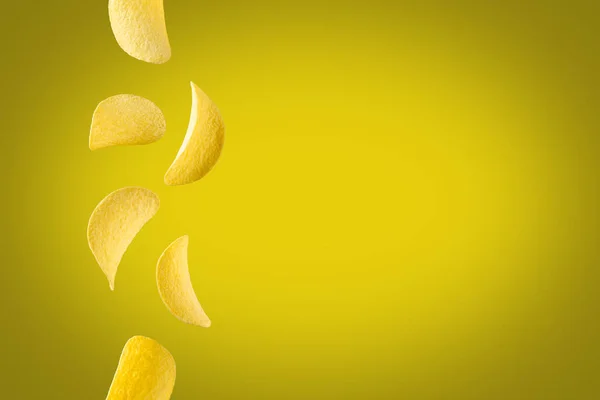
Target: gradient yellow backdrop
406	206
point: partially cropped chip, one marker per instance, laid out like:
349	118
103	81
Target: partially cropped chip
126	119
115	222
175	286
146	371
202	144
140	29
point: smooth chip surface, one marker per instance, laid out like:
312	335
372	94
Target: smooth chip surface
202	144
140	29
175	286
115	222
126	119
146	371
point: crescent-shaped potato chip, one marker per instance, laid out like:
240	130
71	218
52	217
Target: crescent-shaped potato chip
146	371
202	144
115	222
175	286
126	119
140	29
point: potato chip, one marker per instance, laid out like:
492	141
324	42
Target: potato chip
126	119
175	286
140	29
115	222
202	144
146	371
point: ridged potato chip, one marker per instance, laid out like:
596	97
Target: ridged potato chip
115	222
126	119
140	29
175	286
202	144
146	371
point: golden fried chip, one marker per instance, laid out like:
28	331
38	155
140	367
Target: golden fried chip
202	144
146	371
140	29
126	119
175	286
115	222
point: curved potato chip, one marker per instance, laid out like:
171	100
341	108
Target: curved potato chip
140	29
202	144
126	119
115	222
175	286
146	371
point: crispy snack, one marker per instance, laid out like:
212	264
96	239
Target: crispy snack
126	119
115	222
140	29
146	371
202	144
175	286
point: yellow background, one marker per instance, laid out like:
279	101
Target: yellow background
406	206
